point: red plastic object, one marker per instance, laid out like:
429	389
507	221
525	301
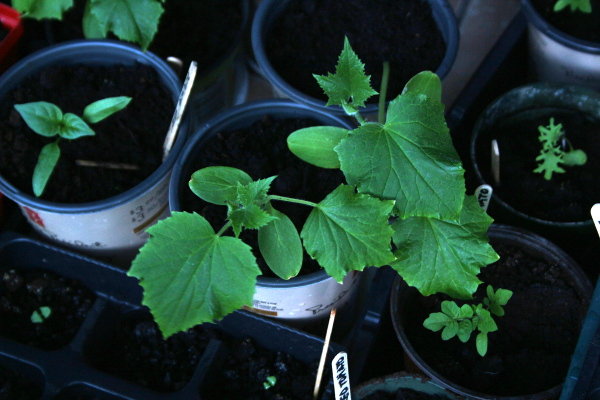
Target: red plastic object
11	21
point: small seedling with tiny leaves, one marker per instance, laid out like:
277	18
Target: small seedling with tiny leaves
552	154
47	119
404	169
581	5
39	315
464	320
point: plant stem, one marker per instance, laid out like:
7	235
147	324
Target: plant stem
292	200
383	92
224	228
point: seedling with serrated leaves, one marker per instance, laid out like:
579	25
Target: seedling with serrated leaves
552	154
405	168
581	5
48	120
464	320
130	20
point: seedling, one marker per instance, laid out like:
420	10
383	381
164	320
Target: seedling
269	382
404	170
462	321
553	154
581	5
39	315
48	120
130	20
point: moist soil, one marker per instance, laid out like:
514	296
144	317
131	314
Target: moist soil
403	394
577	24
261	151
531	351
24	291
133	136
308	38
568	196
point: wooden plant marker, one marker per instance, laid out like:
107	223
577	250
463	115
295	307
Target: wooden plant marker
496	161
324	354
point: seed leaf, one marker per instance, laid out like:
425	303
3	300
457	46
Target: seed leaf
98	110
41	117
316	144
218	185
45	165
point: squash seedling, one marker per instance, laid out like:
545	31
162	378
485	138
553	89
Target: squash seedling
581	5
404	170
48	120
553	154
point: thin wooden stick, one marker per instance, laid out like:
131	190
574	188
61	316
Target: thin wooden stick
496	161
179	109
106	164
324	354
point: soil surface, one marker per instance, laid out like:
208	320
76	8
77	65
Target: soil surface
567	197
246	368
24	291
309	35
133	136
531	351
261	151
15	385
403	394
578	24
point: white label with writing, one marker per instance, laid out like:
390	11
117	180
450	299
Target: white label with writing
484	194
596	216
341	376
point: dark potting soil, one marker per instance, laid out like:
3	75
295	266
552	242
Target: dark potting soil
15	385
567	197
22	292
577	24
531	351
309	35
403	394
133	136
246	368
261	151
136	351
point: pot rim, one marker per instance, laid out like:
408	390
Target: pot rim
92	48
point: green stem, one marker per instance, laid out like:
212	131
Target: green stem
359	118
383	92
292	200
224	228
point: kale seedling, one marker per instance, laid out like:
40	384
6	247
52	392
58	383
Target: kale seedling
405	169
48	120
269	382
462	321
581	5
39	315
130	20
552	153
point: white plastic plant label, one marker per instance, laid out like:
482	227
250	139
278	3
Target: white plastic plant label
341	376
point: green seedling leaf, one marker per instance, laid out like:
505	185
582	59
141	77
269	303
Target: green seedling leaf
348	231
437	321
280	245
450	330
552	153
451	309
98	110
42	9
41	117
47	160
465	328
486	323
575	157
130	20
581	5
218	185
482	343
349	85
74	127
410	159
247	211
495	300
426	83
316	144
436	255
41	314
206	278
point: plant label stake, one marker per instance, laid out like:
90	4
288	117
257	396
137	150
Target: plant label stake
484	194
341	376
596	216
181	103
496	162
324	354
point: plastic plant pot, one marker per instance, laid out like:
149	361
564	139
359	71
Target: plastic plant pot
400	381
303	298
114	227
557	56
267	12
10	20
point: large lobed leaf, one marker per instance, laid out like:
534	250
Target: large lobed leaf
41	9
436	255
349	231
409	159
190	275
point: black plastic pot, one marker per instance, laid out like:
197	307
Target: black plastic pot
557	56
69	372
400	381
104	228
403	297
269	10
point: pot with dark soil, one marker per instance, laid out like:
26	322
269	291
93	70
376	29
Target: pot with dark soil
401	386
555	205
294	39
564	40
529	353
11	30
102	209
